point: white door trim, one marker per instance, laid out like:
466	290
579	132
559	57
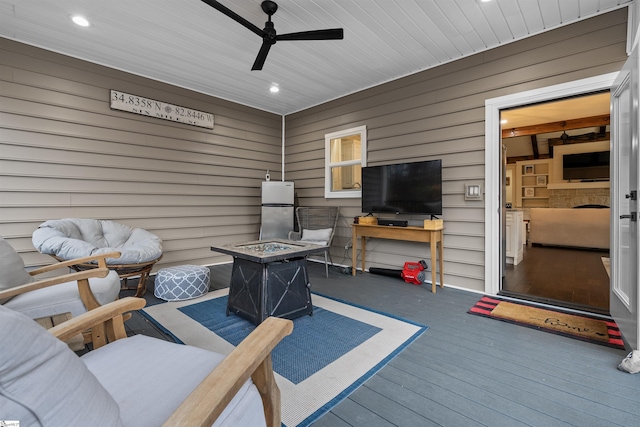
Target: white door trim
492	246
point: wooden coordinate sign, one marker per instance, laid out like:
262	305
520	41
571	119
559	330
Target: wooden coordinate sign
160	110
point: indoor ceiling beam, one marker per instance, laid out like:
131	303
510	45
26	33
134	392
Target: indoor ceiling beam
534	146
585	122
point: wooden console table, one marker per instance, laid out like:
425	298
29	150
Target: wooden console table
412	234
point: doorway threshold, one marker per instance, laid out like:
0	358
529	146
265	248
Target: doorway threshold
577	308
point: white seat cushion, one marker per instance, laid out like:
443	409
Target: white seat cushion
43	383
64	298
149	378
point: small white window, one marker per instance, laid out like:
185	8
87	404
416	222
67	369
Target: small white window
345	156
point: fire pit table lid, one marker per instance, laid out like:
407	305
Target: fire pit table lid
265	251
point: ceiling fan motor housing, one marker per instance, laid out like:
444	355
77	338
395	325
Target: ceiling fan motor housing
269	32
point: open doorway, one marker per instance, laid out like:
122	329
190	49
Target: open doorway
556	195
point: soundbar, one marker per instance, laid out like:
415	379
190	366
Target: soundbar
393	222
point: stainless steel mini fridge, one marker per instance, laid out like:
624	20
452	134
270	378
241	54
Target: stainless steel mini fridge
277	209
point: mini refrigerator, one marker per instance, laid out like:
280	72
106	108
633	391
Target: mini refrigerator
277	210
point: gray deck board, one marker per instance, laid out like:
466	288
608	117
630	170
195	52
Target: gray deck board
575	393
468	370
456	395
351	413
386	403
560	406
418	400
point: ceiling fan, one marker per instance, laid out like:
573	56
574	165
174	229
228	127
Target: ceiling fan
268	34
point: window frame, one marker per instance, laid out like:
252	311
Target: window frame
348	194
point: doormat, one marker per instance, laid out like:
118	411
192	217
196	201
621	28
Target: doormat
581	327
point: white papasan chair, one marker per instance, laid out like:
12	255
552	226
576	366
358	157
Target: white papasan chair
71	238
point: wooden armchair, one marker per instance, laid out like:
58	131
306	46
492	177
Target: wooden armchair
132	388
74	293
81	278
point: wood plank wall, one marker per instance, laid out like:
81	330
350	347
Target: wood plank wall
65	153
439	114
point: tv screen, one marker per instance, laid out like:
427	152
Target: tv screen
414	188
586	166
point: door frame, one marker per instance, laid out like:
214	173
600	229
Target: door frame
493	207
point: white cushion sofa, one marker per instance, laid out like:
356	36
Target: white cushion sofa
573	227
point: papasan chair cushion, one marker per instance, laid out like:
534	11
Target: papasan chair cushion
72	238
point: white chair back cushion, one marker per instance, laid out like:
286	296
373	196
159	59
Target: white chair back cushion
12	272
43	383
319	237
149	378
64	298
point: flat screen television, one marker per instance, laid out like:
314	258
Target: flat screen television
404	188
586	166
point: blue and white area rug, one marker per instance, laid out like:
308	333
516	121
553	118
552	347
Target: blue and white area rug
327	357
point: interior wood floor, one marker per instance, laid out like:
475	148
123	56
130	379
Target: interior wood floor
467	370
566	277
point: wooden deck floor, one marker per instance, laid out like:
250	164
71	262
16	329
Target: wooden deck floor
468	370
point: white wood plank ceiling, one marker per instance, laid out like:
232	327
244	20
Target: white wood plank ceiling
189	44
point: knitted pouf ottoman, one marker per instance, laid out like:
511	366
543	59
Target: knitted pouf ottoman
182	282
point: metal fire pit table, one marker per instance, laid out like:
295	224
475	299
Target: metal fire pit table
269	278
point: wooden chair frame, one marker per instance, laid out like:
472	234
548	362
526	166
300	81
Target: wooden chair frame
81	277
124	272
250	359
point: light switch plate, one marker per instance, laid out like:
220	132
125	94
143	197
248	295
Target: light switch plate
472	192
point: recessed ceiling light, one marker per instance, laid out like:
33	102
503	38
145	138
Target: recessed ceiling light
274	89
80	20
503	121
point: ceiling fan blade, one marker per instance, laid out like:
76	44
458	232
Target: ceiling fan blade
231	14
262	56
331	34
269	35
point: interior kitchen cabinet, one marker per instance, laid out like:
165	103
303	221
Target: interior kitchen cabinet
514	237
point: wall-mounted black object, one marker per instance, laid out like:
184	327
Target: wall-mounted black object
403	188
